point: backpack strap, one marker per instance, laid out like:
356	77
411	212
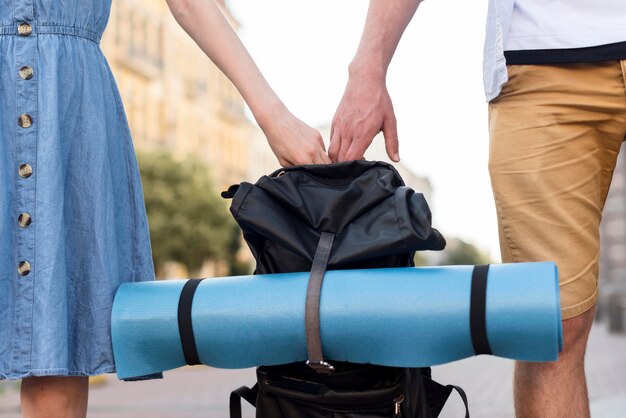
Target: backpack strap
438	394
230	193
312	308
185	326
245	392
478	299
463	397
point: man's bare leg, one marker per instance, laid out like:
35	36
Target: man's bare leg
54	397
556	389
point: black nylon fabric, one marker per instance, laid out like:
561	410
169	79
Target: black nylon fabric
377	220
354	391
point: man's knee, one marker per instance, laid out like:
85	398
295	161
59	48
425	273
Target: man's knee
571	359
576	332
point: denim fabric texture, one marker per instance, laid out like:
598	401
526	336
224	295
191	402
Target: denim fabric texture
88	231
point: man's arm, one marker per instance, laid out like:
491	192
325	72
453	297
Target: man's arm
366	107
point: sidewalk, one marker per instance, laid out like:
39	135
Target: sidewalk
203	391
489	387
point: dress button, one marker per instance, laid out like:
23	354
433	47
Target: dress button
24	29
24	219
26	72
23	268
25	171
25	120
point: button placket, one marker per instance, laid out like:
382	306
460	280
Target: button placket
26	61
26	141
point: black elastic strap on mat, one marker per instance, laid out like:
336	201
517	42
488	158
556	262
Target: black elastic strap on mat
312	308
243	392
478	299
185	327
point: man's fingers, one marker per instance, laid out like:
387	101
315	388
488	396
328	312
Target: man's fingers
284	163
343	149
390	132
357	150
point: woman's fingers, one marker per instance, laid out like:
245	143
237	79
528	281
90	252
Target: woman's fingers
333	148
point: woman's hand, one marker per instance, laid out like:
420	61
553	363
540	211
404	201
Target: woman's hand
293	141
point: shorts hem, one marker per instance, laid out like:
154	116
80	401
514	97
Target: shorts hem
579	308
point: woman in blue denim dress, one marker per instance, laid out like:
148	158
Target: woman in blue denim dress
72	217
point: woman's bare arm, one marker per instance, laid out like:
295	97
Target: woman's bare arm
293	141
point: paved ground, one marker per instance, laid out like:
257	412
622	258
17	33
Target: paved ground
203	392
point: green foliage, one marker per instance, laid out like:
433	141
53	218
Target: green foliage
189	222
420	259
239	268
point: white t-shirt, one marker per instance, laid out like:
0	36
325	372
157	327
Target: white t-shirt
563	24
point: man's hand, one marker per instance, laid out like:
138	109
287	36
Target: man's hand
364	111
366	108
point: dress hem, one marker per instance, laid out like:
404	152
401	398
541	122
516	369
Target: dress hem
54	372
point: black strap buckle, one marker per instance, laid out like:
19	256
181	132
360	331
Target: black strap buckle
321	367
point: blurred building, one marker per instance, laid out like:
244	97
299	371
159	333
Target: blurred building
178	101
175	98
613	253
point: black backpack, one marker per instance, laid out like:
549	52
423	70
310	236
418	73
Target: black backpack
351	215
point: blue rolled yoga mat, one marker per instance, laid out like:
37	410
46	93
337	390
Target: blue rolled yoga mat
405	317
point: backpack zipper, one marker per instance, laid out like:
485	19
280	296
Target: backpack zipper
397	404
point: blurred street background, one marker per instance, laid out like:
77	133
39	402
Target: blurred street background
194	138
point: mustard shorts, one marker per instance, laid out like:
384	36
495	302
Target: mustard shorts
555	133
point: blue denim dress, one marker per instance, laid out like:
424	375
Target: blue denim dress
72	218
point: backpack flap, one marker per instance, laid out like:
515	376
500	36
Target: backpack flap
374	217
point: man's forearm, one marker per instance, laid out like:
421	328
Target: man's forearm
384	26
365	108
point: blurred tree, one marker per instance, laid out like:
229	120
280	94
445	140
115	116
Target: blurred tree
420	259
459	252
237	267
189	223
